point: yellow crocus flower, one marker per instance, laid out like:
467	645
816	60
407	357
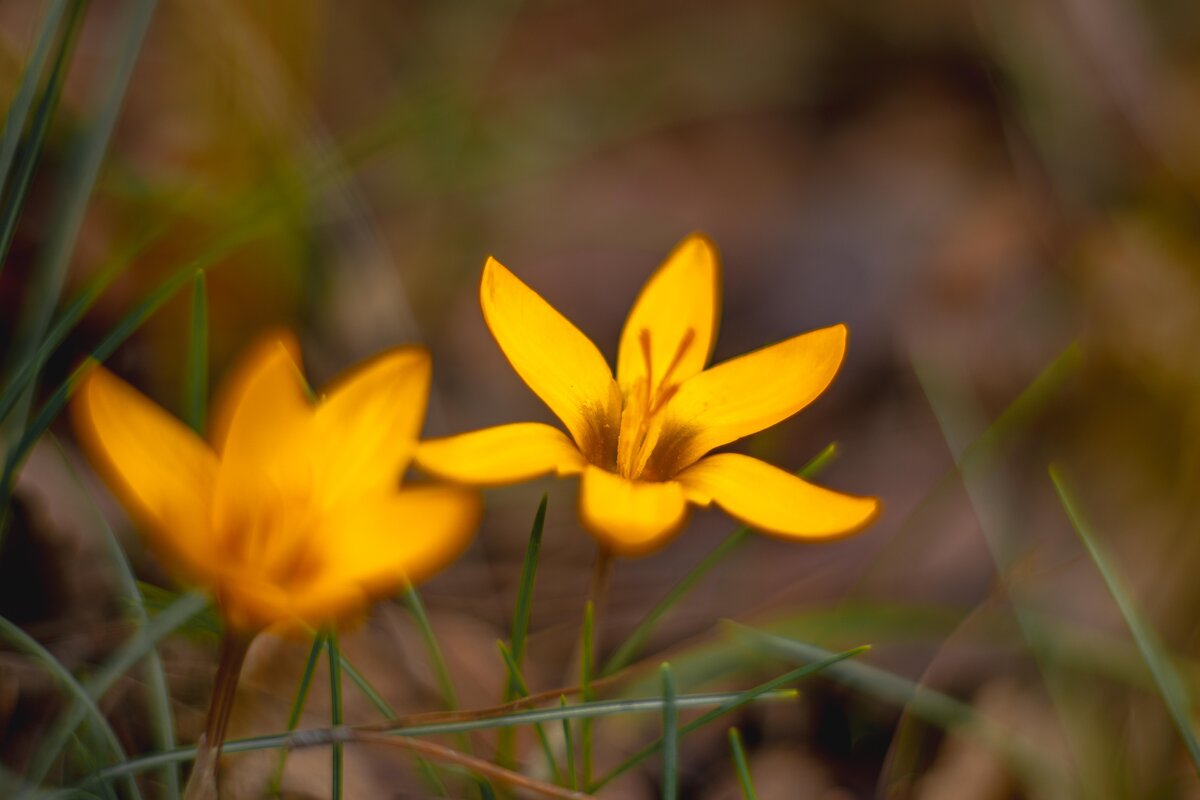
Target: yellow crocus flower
640	440
293	515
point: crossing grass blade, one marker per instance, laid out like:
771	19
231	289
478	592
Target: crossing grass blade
18	109
628	651
79	179
1171	686
719	701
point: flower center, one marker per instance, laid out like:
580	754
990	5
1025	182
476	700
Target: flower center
276	536
641	413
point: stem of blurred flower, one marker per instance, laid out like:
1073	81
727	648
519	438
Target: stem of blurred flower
202	784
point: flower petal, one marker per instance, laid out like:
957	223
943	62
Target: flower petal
162	472
365	430
553	357
674	322
774	501
749	393
262	410
499	455
407	535
266	387
631	518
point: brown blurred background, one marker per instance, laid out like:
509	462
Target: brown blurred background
972	187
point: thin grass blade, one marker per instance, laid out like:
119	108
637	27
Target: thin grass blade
161	717
79	179
1171	685
15	190
196	387
335	711
670	736
18	109
741	766
522	690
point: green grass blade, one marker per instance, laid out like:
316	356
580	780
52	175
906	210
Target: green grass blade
51	408
335	711
670	737
412	600
416	607
737	701
587	664
14	191
522	690
14	121
298	703
1170	684
26	644
741	766
525	588
636	641
196	387
569	746
79	179
130	653
161	717
314	738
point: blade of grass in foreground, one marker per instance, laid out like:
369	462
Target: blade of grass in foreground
24	643
629	650
736	702
130	653
506	746
1171	686
739	763
78	181
670	737
725	701
15	185
162	720
14	121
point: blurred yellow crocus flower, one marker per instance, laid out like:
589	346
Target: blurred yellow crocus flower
294	514
640	440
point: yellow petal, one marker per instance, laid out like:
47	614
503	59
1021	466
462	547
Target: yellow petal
267	378
259	426
262	408
162	472
631	518
747	394
407	535
774	501
504	454
553	357
366	428
674	321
